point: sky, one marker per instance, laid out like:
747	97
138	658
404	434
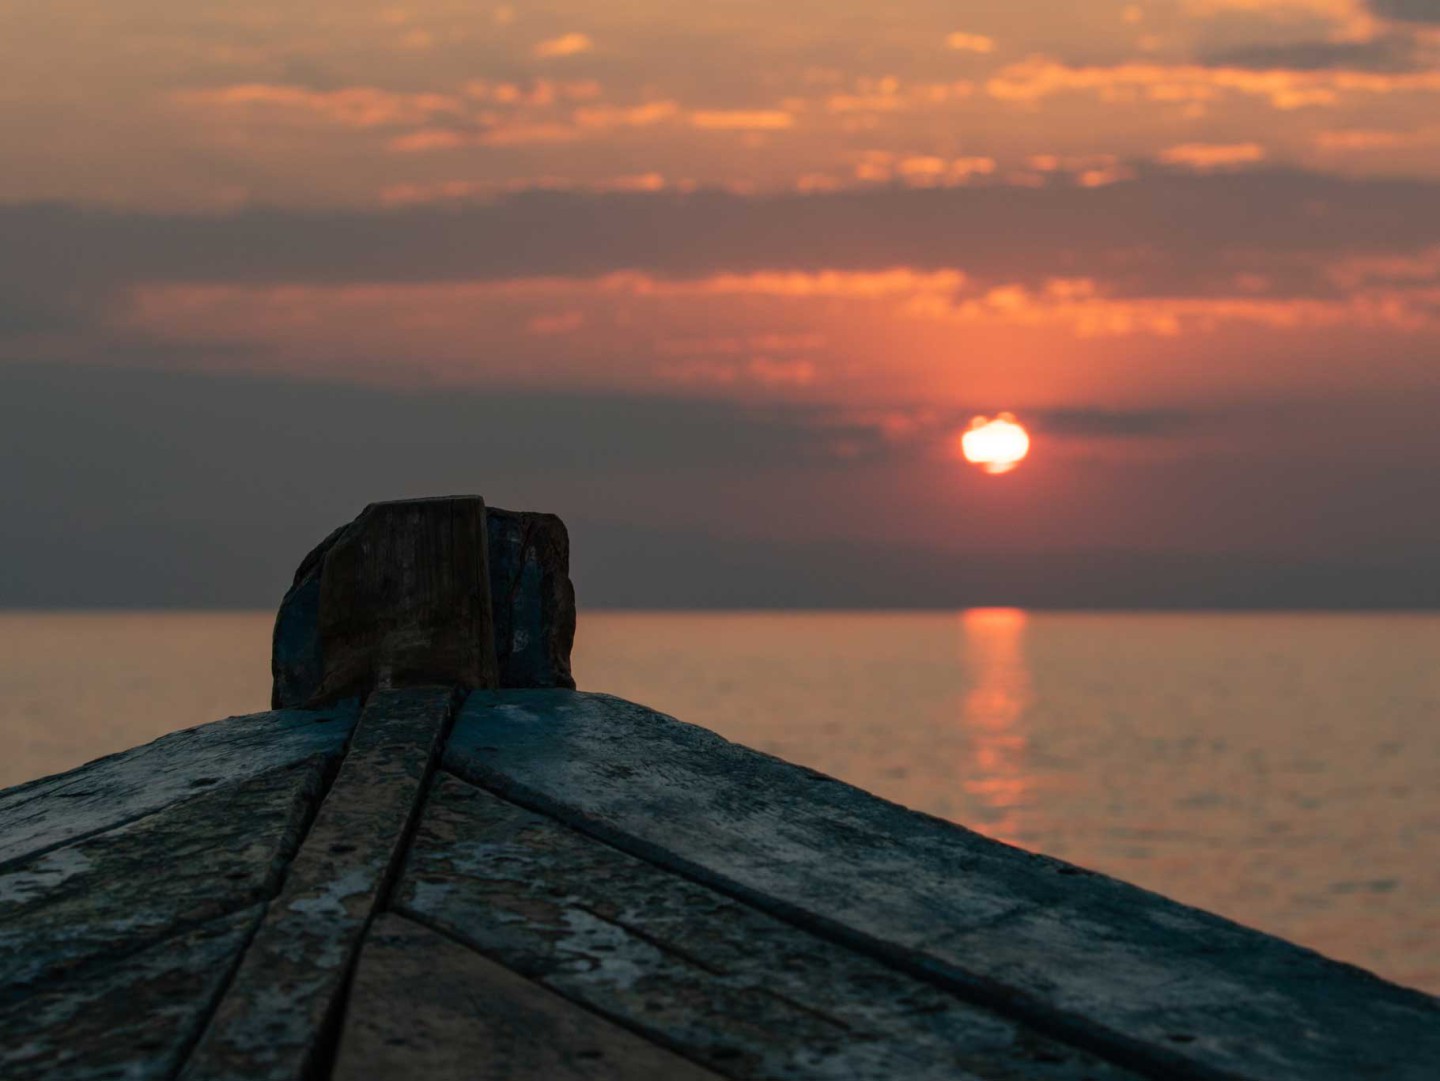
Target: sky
721	285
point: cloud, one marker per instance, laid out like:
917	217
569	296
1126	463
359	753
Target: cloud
973	43
1167	235
143	488
741	119
571	44
831	284
1204	157
1386	53
351	107
1416	11
1039	77
521	128
1365	139
1120	424
469	191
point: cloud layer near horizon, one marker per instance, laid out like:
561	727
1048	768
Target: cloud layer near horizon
133	489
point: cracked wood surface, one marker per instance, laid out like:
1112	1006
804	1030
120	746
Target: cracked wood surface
117	891
1166	988
104	793
423	1006
132	1018
275	1020
745	994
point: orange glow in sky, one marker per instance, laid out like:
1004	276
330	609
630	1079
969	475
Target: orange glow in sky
996	444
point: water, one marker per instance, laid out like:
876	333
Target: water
1278	769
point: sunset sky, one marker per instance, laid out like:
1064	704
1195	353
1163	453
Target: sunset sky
721	284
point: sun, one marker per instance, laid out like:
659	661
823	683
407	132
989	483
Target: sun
996	444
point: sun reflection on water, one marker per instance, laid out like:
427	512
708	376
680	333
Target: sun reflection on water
992	713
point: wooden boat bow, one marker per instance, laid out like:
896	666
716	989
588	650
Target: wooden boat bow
436	859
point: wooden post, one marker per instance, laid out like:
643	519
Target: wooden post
413	592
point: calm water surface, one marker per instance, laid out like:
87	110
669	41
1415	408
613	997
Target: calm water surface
1278	769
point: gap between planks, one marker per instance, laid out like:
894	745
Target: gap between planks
279	1017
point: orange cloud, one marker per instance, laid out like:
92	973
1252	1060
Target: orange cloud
1039	77
605	117
539	93
1206	157
741	119
351	107
889	95
921	170
1076	304
1361	140
455	190
847	284
519	129
564	45
973	43
429	139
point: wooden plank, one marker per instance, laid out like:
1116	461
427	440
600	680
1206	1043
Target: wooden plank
102	794
276	1017
405	599
726	985
134	1018
533	599
116	891
423	1006
1138	978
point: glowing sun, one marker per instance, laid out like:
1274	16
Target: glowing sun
996	444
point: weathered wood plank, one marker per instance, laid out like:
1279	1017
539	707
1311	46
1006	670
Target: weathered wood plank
134	1018
533	599
423	1006
405	598
116	891
54	810
276	1017
728	986
1105	965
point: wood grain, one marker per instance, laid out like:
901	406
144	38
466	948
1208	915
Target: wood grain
117	891
405	599
102	794
133	1018
743	993
277	1015
1143	980
423	1006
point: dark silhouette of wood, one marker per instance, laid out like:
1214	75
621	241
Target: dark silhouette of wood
533	600
443	591
405	599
